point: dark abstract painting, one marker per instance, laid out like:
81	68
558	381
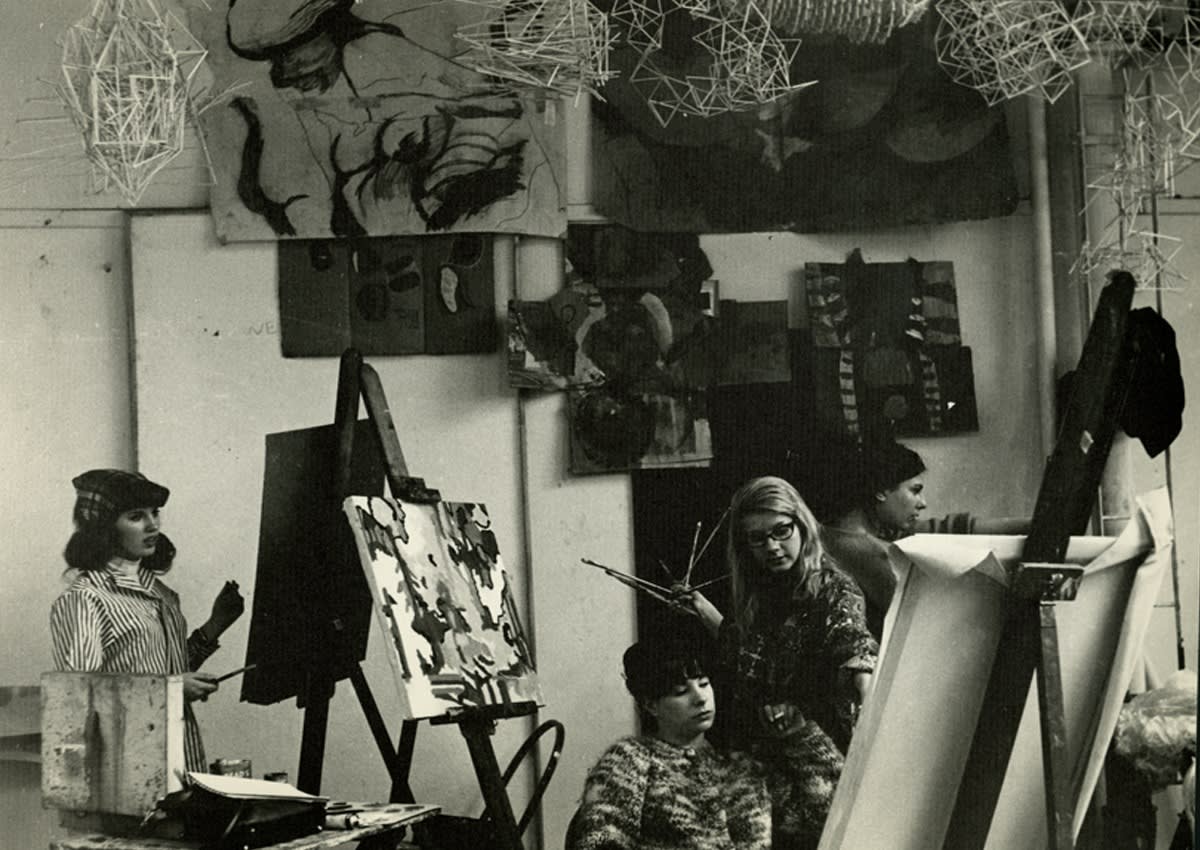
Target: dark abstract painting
348	119
884	138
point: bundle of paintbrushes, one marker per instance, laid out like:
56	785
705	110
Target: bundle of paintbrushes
670	594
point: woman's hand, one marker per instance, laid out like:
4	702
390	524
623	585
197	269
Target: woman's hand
862	686
198	686
696	603
227	607
781	719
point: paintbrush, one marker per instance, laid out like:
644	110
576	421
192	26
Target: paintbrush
706	583
236	672
632	578
655	590
687	576
624	579
712	534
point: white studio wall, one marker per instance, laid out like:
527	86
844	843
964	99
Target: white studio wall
64	338
65	384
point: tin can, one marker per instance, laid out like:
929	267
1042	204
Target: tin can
232	767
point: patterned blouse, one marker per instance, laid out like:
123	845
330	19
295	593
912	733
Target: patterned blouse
647	794
110	622
802	649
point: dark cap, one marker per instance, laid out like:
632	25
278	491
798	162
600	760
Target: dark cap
101	494
889	464
652	668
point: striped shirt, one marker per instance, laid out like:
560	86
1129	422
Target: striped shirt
112	622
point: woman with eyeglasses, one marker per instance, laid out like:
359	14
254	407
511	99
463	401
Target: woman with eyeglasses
795	651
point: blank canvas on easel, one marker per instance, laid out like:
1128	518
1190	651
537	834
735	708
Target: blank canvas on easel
909	750
442	597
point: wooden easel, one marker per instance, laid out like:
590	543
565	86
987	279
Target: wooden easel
1029	639
358	380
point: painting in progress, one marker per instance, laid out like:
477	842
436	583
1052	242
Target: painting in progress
442	597
347	119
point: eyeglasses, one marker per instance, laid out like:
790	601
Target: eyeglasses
779	533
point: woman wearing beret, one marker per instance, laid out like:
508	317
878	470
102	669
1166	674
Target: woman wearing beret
117	616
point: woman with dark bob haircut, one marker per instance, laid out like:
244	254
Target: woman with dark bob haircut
117	616
668	789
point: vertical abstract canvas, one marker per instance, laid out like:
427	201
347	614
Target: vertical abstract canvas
888	357
442	599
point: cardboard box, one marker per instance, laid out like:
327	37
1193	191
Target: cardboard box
111	742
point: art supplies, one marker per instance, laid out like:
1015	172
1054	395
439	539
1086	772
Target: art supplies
673	594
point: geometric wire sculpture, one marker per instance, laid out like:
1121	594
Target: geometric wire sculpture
127	88
1140	252
746	64
1119	30
859	21
558	45
1006	48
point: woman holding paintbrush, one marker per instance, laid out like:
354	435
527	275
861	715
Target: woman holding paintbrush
117	616
795	651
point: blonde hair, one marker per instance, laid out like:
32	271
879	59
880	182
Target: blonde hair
776	495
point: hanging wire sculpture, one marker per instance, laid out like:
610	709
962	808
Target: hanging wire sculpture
1118	31
556	45
859	21
1158	139
127	73
744	65
1148	256
1007	48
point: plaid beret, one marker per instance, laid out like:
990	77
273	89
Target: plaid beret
101	494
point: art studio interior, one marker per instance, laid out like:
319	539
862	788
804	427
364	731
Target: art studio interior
600	424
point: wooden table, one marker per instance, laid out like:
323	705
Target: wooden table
381	819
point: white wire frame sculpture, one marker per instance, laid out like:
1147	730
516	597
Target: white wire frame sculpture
745	64
858	21
1148	256
127	75
1007	48
560	46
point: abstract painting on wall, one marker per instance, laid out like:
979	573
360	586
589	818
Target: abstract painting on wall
885	139
613	430
443	600
387	295
346	119
888	358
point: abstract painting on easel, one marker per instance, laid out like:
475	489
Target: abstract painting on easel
443	599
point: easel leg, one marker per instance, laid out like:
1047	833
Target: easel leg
1059	809
1003	704
397	762
499	809
312	741
401	790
